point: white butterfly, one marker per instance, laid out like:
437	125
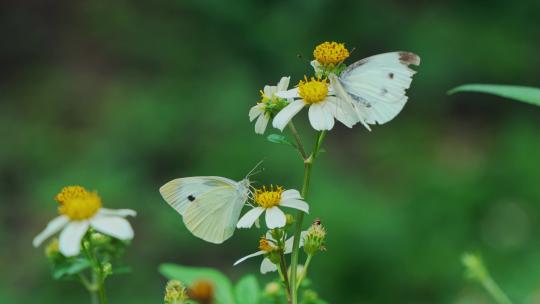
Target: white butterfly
375	86
209	205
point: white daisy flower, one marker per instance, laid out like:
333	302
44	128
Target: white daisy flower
79	210
324	108
270	201
266	245
269	105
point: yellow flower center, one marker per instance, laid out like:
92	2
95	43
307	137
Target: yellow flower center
313	90
264	245
330	53
268	198
264	98
78	203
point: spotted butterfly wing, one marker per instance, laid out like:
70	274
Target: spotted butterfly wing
210	205
376	85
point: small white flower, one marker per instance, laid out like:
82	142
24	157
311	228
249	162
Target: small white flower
324	108
266	247
269	105
80	210
270	201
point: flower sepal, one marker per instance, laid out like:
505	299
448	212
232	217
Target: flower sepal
105	249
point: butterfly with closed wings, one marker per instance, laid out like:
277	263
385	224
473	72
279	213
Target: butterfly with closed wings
210	205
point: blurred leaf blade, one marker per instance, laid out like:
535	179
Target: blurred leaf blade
247	290
70	267
280	139
189	275
520	93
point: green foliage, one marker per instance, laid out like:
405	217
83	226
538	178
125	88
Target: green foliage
520	93
280	139
67	267
189	275
125	95
247	290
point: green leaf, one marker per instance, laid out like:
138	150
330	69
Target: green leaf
70	267
190	275
280	139
520	93
247	290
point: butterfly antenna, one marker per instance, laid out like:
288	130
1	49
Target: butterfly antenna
352	50
252	171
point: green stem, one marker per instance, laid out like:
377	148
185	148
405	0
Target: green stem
90	287
98	278
283	267
306	266
299	144
495	291
308	163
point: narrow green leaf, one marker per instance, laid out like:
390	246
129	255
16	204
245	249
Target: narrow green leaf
189	275
520	93
70	267
280	139
247	290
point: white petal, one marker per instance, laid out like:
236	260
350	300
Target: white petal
267	266
291	194
319	118
283	83
342	111
248	257
269	91
53	227
117	212
114	226
71	236
286	114
292	93
249	218
316	66
255	111
262	122
275	218
296	204
289	242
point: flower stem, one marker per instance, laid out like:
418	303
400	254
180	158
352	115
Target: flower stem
306	266
98	278
299	144
308	163
90	287
283	267
495	291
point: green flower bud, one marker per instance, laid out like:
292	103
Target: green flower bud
290	219
474	267
314	240
175	293
52	249
272	288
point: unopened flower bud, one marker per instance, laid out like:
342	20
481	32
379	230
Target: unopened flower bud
98	238
272	288
290	219
175	292
106	269
315	238
52	249
474	266
202	292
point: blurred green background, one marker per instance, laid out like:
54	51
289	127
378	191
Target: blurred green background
123	96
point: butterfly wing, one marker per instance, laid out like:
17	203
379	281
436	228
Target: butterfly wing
376	85
182	192
213	215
